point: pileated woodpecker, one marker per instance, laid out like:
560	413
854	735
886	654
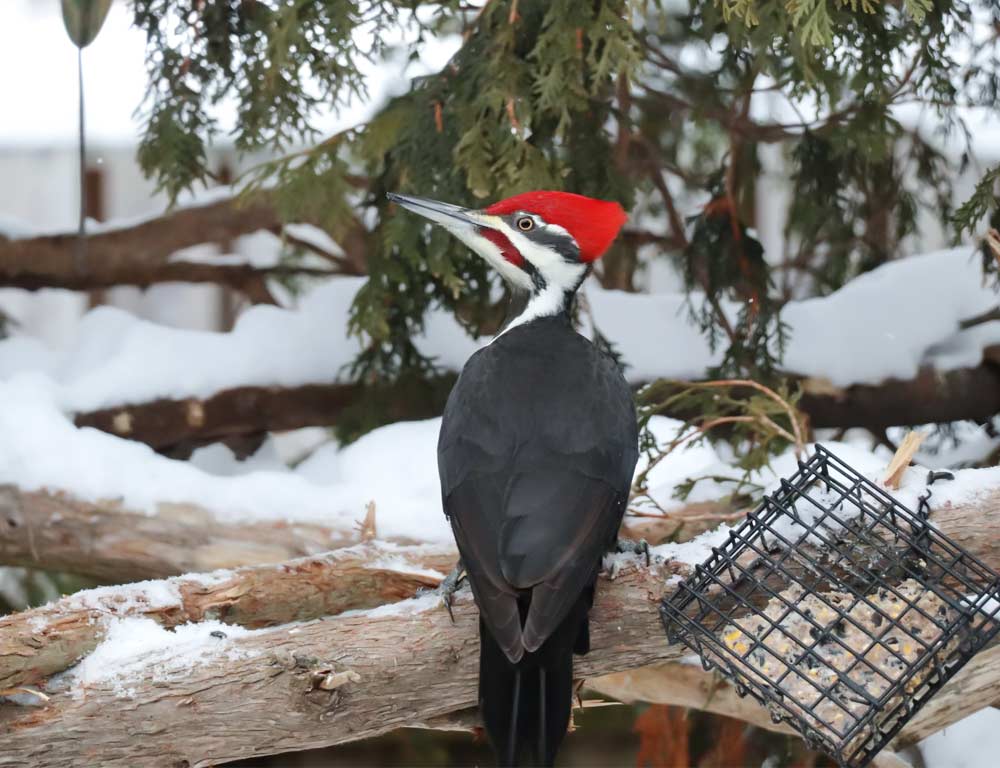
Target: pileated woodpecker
536	454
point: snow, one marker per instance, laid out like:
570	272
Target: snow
268	346
401	608
967	486
695	551
884	324
139	649
972	742
393	467
33	39
887	322
129	598
402	565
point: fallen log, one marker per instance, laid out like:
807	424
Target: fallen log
976	686
305	686
339	679
107	541
932	397
37	643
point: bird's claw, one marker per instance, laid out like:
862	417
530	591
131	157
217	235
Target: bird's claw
451	584
640	547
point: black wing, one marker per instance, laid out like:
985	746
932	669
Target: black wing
536	455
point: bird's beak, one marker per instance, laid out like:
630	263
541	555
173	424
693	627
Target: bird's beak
452	217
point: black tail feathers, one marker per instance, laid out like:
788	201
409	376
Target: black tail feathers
526	706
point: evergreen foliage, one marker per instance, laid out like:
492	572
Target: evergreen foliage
659	105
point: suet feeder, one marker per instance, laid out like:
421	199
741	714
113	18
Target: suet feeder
837	608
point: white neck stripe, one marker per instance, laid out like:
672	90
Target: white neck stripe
549	301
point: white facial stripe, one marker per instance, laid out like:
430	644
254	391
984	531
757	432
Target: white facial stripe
513	275
553	268
559	276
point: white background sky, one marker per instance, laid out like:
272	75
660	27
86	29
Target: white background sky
38	88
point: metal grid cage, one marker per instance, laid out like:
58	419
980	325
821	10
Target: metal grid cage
837	608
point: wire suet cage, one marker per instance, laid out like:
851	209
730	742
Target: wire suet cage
837	608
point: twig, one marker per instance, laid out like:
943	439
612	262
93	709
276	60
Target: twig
901	460
796	428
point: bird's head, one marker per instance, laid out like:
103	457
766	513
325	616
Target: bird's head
540	242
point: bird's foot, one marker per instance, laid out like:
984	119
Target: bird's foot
640	547
451	584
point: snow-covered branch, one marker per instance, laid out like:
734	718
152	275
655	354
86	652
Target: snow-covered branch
933	397
37	643
253	692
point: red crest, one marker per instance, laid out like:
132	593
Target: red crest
594	224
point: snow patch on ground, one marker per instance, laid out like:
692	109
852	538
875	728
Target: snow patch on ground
139	649
394	466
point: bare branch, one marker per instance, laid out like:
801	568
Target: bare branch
140	254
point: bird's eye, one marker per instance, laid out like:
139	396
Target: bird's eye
525	224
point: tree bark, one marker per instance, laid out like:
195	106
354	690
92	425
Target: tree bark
104	540
37	643
307	686
977	685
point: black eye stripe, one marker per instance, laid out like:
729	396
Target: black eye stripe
548	237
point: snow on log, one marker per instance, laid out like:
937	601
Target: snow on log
296	687
933	397
877	327
39	642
